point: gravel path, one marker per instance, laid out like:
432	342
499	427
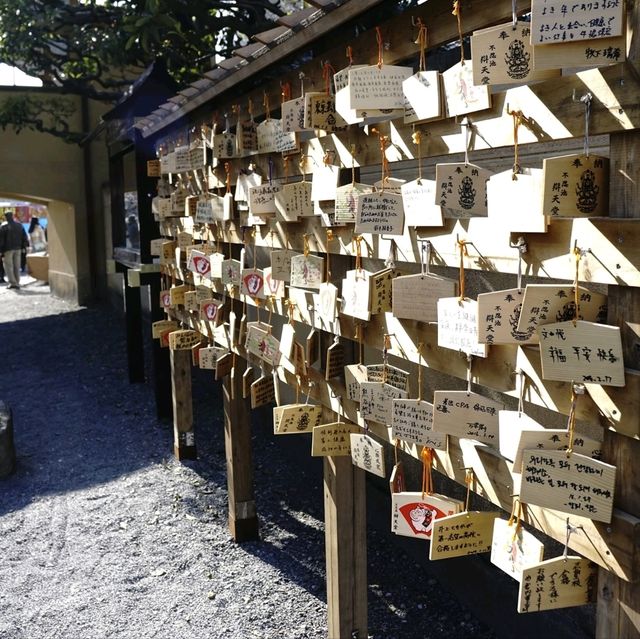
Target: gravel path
103	534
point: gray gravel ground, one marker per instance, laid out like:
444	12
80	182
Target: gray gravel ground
103	534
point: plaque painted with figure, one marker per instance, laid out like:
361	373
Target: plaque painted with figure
461	189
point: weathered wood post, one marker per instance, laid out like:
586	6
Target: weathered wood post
243	520
184	443
345	513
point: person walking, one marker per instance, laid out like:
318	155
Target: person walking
13	241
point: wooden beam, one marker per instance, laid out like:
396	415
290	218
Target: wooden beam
243	520
133	322
184	443
160	357
345	544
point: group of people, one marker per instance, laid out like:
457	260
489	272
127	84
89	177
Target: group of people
14	243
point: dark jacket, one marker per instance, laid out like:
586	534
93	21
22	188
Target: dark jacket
13	237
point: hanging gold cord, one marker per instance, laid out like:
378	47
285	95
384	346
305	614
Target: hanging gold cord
416	138
330	237
350	55
422	44
357	239
227	170
571	426
265	104
327	73
285	91
517	121
462	245
457	12
577	254
420	349
468	480
427	463
380	47
516	516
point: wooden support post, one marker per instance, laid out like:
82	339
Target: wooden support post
618	611
345	514
159	355
243	520
135	344
184	443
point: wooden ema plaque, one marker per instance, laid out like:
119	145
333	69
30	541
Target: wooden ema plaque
412	421
248	133
177	294
422	97
247	380
461	95
553	22
347	199
354	375
165	299
162	326
168	253
392	375
518	432
281	264
547	303
312	347
231	272
209	356
262	198
191	303
414	513
320	113
557	583
183	340
461	189
379	213
155	246
209	208
287	337
376	401
327	306
498	317
224	365
584	352
324	182
513	548
292	112
526	190
382	290
252	283
287	143
504	55
466	533
294	201
212	311
296	418
272	286
184	240
153	168
418	200
576	485
224	146
397	483
576	186
267	133
335	361
582	53
466	415
356	294
307	271
262	391
458	326
415	297
368	454
333	439
371	87
261	343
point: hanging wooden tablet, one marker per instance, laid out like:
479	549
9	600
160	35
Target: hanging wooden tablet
466	415
458	326
199	263
224	145
162	326
197	155
320	113
292	112
389	185
168	254
153	168
253	283
324	182
262	198
581	53
379	213
286	340
418	201
397	482
312	347
466	533
381	290
415	297
346	200
155	246
356	294
368	454
224	365
574	484
504	55
376	401
422	97
247	133
281	264
547	303
262	391
584	352
576	186
244	182
392	375
216	259
554	22
333	439
293	201
267	132
557	583
461	95
307	271
327	307
191	303
498	317
161	207
354	375
513	548
230	272
211	311
298	360
286	143
209	356
296	418
373	87
177	294
247	380
334	360
183	340
412	421
181	159
165	299
164	339
184	239
341	78
414	513
502	191
461	189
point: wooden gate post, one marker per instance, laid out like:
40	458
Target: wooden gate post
243	520
184	443
345	513
618	612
